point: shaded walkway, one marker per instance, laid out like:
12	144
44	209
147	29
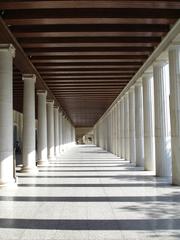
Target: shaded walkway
90	194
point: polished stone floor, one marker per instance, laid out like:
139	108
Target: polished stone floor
90	194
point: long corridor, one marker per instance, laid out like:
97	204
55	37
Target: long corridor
90	194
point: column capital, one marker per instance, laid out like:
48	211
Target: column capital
174	46
138	82
56	107
160	62
8	47
42	92
121	99
28	76
50	102
147	75
131	88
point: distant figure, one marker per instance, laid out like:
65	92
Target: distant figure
17	147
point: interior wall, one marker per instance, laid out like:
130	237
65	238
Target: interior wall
84	135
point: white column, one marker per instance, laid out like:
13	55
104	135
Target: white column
148	110
108	132
64	134
56	130
139	125
162	131
50	129
7	52
111	130
132	141
174	70
116	126
122	127
42	128
126	125
118	129
60	132
114	130
29	138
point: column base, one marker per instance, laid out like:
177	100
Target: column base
33	170
42	163
10	184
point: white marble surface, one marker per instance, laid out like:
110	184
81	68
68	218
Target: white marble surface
90	194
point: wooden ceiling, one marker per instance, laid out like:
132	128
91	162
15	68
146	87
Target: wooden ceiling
87	51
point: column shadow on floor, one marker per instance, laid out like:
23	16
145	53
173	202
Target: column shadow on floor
98	224
135	199
131	177
93	185
91	170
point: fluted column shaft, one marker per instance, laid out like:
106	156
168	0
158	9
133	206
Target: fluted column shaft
126	125
148	110
139	125
122	127
162	127
42	128
29	149
7	52
115	129
118	129
108	132
111	130
63	133
174	70
132	142
56	131
60	132
50	129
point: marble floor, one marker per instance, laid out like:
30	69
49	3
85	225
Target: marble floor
89	194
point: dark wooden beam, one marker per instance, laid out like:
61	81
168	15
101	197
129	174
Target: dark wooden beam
16	5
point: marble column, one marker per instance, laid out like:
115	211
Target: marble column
116	122
63	134
118	129
111	132
60	132
29	138
50	129
174	71
126	125
162	127
122	155
115	129
108	132
148	110
132	134
139	124
7	52
42	128
56	131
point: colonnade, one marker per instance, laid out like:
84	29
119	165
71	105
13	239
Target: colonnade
55	132
148	117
